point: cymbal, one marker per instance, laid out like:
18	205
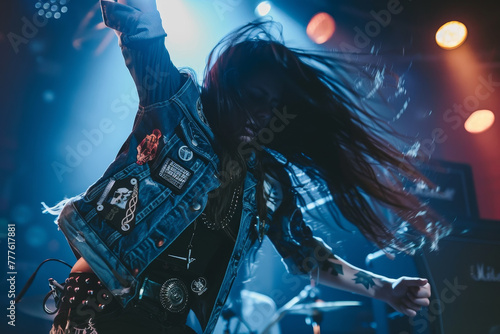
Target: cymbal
317	307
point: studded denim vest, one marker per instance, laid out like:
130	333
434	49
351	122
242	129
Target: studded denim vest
155	188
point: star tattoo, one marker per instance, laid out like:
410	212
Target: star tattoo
365	279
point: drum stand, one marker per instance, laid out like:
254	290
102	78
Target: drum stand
308	303
228	314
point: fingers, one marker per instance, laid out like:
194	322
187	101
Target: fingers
410	306
420	301
421	292
414	293
415	281
407	308
409	312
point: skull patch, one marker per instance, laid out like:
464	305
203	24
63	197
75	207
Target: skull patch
121	197
118	204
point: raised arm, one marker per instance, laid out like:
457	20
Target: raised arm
144	6
138	26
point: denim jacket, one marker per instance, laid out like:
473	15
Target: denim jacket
158	185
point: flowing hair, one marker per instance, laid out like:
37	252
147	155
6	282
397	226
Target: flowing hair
335	136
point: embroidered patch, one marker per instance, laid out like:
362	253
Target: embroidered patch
146	150
174	175
118	203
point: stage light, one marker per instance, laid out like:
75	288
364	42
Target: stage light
321	28
479	121
263	8
451	35
51	8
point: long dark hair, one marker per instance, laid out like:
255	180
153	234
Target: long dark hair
335	135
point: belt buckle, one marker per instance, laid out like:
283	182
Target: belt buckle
174	295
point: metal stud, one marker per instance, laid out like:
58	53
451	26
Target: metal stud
196	206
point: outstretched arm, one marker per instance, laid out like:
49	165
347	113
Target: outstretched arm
304	254
406	294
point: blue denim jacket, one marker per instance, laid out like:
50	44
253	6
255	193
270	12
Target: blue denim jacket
161	204
158	185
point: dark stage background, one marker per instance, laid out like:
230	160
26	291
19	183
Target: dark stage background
67	103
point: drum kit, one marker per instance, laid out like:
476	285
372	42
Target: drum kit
306	304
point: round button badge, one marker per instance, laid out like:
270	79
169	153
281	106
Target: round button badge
199	285
185	154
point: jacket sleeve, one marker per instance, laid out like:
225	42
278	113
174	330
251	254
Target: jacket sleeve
301	252
141	38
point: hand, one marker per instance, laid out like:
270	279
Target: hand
408	294
143	5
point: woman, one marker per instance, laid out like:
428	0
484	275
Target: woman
204	176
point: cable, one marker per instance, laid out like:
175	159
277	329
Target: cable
30	280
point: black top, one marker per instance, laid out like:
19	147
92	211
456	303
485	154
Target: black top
210	254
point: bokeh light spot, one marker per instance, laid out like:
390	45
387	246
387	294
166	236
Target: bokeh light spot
479	121
321	28
451	35
263	8
36	236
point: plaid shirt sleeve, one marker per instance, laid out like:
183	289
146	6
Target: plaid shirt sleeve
301	252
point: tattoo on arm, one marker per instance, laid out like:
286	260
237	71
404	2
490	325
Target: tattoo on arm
334	269
365	279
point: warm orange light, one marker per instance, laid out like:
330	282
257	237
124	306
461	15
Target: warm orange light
321	28
451	35
479	121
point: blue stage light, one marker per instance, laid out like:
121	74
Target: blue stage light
263	8
51	8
